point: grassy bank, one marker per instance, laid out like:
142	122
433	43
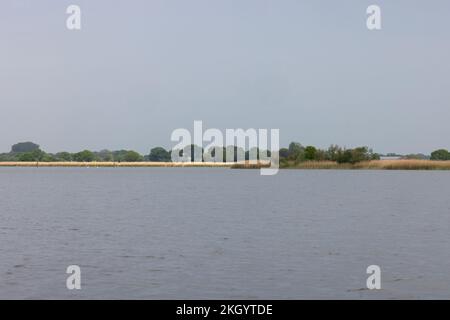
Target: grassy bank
374	164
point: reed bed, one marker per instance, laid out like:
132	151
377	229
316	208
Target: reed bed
373	165
366	165
251	165
404	165
322	165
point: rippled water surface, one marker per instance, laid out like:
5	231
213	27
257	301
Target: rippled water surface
187	233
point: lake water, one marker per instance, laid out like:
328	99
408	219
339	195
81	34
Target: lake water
187	233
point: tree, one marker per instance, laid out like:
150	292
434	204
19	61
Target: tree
252	154
310	153
374	156
119	155
193	152
321	155
295	151
159	154
284	153
360	154
356	155
105	155
132	156
440	154
234	154
214	154
63	156
333	152
84	156
36	155
344	156
24	147
8	157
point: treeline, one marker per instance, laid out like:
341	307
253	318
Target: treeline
295	153
30	152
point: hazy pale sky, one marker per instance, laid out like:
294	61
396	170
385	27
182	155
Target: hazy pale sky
140	69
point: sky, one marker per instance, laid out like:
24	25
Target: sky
139	69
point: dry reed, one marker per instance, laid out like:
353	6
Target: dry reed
373	165
116	164
367	165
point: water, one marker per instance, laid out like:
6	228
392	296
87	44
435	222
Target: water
186	233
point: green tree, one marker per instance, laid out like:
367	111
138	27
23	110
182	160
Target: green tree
344	156
310	153
214	154
440	154
159	154
119	155
296	151
105	155
333	152
284	153
8	157
374	156
24	147
36	155
84	156
234	153
194	152
252	154
132	156
360	154
355	155
63	156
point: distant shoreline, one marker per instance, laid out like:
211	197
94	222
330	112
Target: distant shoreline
141	164
401	164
